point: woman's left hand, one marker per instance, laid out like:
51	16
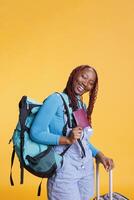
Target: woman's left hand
107	162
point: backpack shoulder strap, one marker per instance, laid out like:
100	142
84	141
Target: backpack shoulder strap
68	110
66	103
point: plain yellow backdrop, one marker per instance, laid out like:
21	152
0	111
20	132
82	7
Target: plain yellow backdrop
40	43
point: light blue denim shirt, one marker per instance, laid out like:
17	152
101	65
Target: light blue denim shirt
49	122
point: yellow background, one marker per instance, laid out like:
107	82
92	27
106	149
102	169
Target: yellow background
40	43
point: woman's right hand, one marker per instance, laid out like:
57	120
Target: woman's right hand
74	135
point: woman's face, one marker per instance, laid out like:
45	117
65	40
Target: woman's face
84	81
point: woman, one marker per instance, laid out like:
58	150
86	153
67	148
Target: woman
74	180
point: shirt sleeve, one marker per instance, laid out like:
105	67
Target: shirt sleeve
93	149
39	131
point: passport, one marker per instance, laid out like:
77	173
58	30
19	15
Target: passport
80	117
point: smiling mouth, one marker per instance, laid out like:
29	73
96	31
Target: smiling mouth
80	88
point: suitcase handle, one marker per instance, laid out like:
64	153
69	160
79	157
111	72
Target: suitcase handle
98	183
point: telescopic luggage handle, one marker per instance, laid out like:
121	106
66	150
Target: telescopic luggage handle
98	183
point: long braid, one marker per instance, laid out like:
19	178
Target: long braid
92	97
68	89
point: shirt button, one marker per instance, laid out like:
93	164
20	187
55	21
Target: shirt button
82	166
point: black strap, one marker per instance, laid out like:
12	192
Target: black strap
79	141
66	110
64	131
22	118
83	150
39	188
10	140
62	154
73	125
12	161
21	173
68	122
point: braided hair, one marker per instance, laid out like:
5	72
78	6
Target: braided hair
92	95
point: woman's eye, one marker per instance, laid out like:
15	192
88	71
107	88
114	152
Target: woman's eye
91	84
84	76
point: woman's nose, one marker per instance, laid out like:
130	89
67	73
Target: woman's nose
85	83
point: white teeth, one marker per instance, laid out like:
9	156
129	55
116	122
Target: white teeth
81	88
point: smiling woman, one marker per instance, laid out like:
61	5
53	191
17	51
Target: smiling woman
83	79
74	178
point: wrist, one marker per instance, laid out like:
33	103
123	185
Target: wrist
64	140
99	155
68	140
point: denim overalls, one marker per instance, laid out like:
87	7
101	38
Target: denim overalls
74	180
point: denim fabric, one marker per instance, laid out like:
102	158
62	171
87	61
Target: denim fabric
74	179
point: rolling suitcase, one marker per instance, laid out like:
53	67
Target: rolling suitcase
108	196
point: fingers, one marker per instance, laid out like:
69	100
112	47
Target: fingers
105	164
109	164
78	128
75	134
